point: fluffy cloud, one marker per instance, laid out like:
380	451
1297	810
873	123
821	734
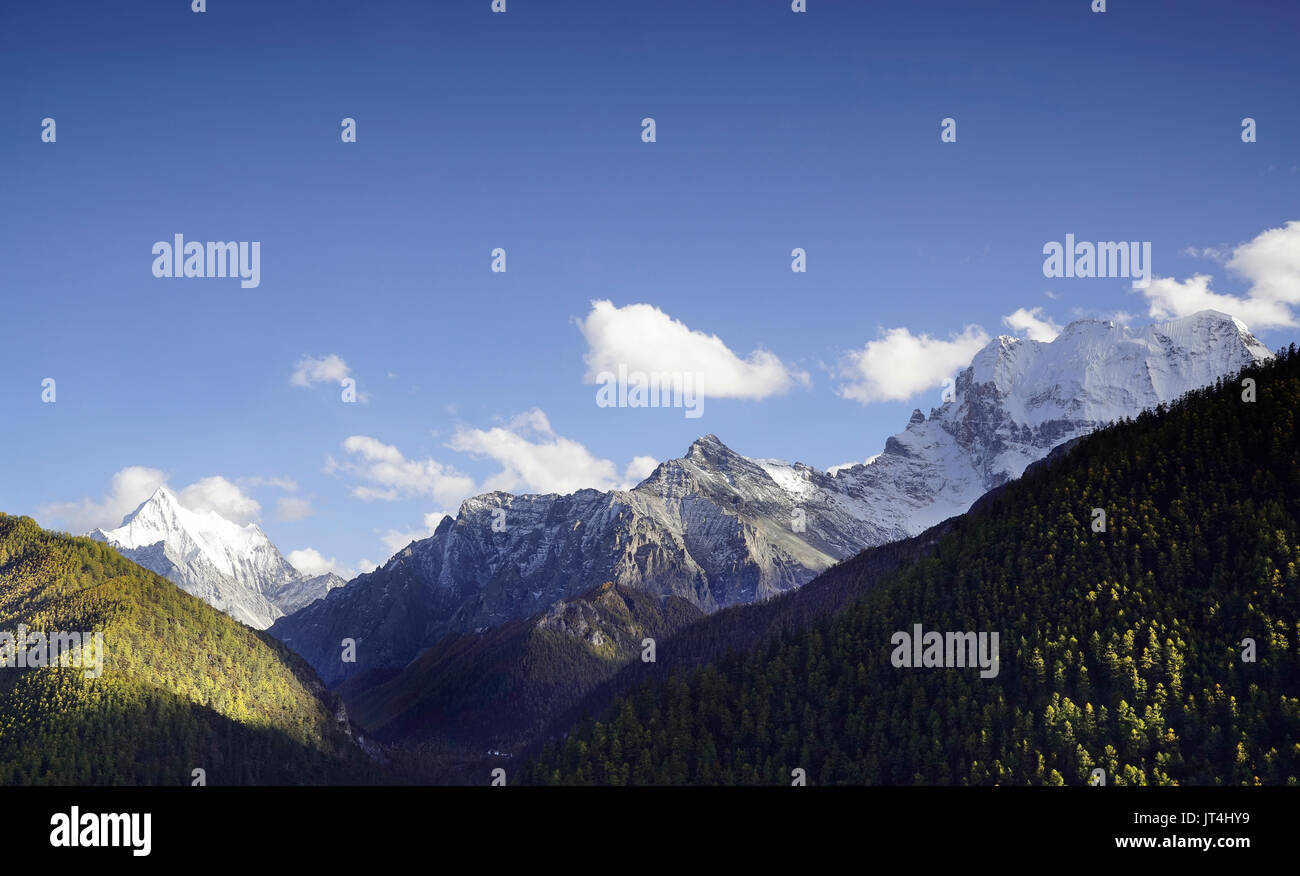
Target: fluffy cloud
310	561
134	484
643	338
129	488
1032	323
529	455
320	369
220	495
292	508
534	459
1209	252
389	475
639	469
395	539
899	364
1270	263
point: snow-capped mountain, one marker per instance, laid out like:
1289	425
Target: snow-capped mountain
1018	399
719	529
232	567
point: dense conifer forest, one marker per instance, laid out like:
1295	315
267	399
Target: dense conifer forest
1162	650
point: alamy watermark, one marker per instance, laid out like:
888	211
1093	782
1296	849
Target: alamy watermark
75	829
1103	259
656	389
211	259
935	650
32	649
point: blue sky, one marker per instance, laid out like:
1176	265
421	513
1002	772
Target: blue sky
522	130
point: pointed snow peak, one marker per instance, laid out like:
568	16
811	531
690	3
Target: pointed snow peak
162	494
917	417
232	566
162	502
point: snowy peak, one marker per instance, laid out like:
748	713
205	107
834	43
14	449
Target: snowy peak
1018	399
233	567
227	545
1096	371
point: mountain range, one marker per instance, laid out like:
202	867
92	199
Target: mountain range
485	642
719	529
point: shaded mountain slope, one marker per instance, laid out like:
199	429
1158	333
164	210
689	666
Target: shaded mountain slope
494	688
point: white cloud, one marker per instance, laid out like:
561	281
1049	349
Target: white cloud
643	338
220	495
1032	323
320	369
531	458
395	539
899	364
324	369
1171	298
1270	263
291	508
134	484
639	469
310	561
1217	254
129	488
534	459
390	476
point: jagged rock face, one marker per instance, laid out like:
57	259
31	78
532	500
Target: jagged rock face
234	568
719	529
468	577
303	591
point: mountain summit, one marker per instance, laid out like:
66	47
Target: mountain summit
717	528
231	567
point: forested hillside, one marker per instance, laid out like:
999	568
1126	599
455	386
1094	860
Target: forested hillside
1120	649
183	686
500	687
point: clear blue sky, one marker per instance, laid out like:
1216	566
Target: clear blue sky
774	131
